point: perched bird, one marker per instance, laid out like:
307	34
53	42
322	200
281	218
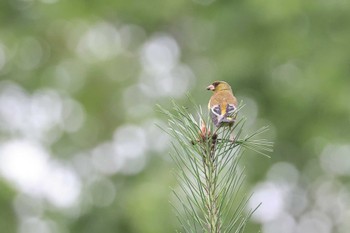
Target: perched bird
223	104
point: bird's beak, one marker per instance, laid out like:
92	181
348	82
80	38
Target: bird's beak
211	87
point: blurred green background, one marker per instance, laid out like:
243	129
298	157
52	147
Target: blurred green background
79	80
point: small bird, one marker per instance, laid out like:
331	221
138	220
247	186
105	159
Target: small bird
223	104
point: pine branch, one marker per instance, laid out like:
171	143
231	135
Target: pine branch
209	177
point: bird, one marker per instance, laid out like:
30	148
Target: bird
222	104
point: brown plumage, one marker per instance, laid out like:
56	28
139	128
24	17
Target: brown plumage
223	104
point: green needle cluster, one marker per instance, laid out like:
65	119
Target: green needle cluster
209	197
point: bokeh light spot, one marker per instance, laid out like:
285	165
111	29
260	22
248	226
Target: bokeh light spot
28	167
25	164
130	144
160	54
100	42
283	172
335	159
272	198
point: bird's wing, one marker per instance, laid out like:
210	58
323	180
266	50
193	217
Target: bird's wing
230	109
215	113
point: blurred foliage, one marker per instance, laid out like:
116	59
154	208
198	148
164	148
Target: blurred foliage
79	150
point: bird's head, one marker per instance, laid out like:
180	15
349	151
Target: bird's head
219	86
